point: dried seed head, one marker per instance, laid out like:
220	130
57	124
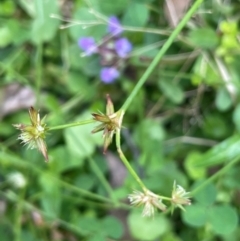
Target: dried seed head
148	200
110	122
33	135
180	197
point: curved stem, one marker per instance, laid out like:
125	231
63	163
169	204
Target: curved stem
160	54
124	159
102	179
78	123
11	160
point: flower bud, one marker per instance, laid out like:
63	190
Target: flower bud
33	135
109	123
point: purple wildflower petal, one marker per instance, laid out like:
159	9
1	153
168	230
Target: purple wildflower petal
123	47
109	74
88	45
114	26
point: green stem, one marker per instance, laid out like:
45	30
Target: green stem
10	160
18	217
101	178
215	176
28	206
161	53
78	123
124	159
38	71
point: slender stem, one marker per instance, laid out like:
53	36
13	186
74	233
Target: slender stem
19	211
160	54
124	159
28	206
38	71
9	159
216	175
101	178
78	123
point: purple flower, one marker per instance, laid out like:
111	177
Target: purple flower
114	26
109	74
88	45
123	47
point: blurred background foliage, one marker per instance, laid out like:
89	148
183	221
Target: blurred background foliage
183	125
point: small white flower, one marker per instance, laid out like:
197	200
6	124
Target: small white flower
17	179
148	200
179	196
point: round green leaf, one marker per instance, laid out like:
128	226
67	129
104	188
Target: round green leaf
194	171
223	99
143	228
171	90
89	225
58	157
195	215
204	38
44	27
136	15
80	141
206	195
5	37
223	219
80	30
110	7
113	227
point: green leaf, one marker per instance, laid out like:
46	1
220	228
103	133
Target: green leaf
136	15
44	27
223	100
171	90
206	196
51	197
236	117
215	126
61	160
147	228
149	129
29	7
189	164
96	31
195	215
113	227
80	141
85	181
89	225
204	72
97	237
90	66
204	38
221	153
110	7
28	235
5	36
7	8
223	219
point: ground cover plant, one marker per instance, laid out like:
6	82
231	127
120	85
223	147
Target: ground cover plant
119	120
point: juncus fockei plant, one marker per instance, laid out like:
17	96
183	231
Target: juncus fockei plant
110	123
